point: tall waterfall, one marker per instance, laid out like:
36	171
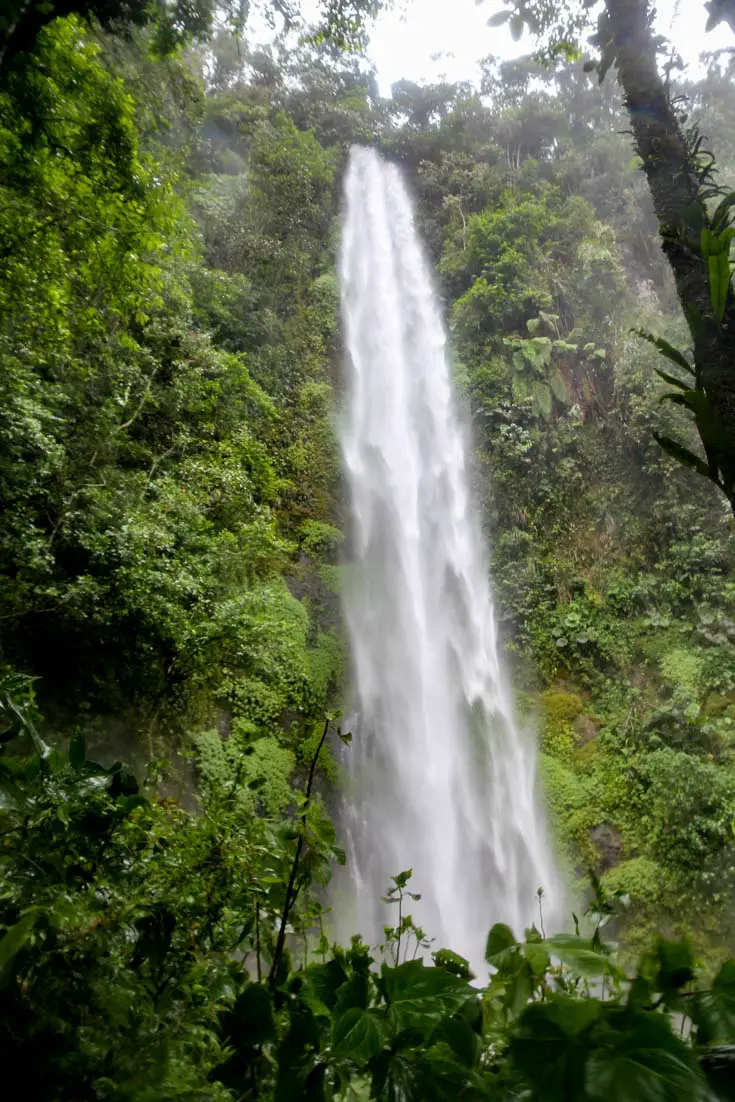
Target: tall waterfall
438	777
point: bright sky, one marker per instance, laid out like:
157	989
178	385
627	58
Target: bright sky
405	41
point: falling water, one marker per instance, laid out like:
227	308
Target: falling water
439	777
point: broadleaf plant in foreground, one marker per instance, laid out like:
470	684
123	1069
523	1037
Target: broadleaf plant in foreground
141	956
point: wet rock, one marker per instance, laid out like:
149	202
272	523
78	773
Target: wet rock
586	728
609	846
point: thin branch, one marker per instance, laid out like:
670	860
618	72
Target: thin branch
292	890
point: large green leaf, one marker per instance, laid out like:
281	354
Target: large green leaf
718	1064
559	385
15	938
300	1075
666	349
431	1075
356	992
578	955
452	962
641	1060
462	1039
359	1034
675	966
719	282
321	984
672	379
521	387
250	1022
713	1011
500	938
550	1047
542	401
681	454
421	996
77	751
722	210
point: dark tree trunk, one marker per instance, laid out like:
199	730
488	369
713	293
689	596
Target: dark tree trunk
667	162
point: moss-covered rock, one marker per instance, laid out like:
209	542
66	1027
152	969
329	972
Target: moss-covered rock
560	711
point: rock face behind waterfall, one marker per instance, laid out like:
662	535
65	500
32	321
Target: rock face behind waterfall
438	778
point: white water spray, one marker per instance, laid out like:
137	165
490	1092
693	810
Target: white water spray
439	778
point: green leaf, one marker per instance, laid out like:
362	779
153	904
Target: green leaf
713	1011
462	1039
537	957
402	879
672	380
579	955
250	1022
722	210
521	388
642	1059
682	455
401	1078
559	386
720	243
666	349
675	966
77	751
499	939
453	962
421	996
15	938
519	985
499	19
693	399
321	984
354	993
542	400
299	1076
516	27
130	803
719	282
359	1034
550	1047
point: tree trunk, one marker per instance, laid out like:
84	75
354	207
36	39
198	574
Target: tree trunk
669	168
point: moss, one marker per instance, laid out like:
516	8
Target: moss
586	758
321	542
719	706
682	670
571	809
260	768
561	707
558	737
642	879
326	666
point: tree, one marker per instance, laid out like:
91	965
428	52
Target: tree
680	174
174	21
24	21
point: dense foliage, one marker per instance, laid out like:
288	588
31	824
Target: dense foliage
169	543
137	938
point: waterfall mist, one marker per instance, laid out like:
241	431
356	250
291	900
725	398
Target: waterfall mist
439	778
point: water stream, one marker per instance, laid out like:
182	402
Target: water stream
439	777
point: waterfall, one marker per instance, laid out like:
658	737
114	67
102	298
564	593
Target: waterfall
439	778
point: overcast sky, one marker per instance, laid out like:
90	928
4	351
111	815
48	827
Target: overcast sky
404	40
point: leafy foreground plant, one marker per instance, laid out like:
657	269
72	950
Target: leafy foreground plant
142	957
